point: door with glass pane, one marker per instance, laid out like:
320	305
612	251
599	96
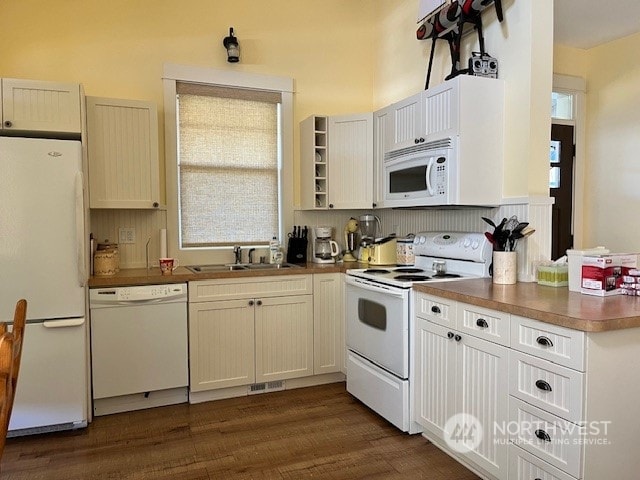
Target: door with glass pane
561	188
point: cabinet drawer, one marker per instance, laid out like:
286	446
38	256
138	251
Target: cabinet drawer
436	309
551	387
547	436
557	344
250	287
524	466
484	323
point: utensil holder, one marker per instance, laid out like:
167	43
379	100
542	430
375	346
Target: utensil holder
297	250
505	268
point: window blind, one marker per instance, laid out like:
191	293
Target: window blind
228	165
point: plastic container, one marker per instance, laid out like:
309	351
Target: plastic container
405	254
575	265
553	275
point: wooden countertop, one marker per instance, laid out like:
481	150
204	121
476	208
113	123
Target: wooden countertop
142	276
553	305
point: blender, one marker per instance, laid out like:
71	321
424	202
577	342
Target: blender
369	224
324	248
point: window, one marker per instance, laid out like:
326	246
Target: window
562	105
228	165
229	156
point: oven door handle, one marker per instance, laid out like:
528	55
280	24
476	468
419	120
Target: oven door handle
428	176
399	293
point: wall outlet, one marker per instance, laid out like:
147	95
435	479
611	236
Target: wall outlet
127	235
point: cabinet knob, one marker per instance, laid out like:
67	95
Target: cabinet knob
331	205
457	338
156	204
374	205
542	385
544	341
416	141
251	303
542	435
482	323
8	124
449	335
259	302
435	309
421	140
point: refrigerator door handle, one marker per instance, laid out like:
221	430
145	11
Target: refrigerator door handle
80	250
71	322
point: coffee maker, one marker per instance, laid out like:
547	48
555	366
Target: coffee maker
323	248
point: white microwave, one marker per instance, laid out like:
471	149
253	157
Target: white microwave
422	175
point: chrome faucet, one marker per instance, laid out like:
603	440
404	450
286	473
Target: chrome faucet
237	251
251	250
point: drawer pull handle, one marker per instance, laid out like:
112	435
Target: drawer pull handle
542	435
436	309
449	335
482	323
542	385
544	341
457	338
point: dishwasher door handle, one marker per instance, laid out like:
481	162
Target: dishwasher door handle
71	322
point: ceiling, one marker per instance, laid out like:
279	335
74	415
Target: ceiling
588	23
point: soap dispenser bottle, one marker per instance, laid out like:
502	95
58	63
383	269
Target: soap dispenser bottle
275	251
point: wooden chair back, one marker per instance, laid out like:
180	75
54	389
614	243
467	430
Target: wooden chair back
10	355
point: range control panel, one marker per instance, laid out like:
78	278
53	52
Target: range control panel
472	246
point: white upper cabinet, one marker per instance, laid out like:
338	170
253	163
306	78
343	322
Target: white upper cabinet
122	140
466	106
381	125
40	106
336	162
406	123
350	179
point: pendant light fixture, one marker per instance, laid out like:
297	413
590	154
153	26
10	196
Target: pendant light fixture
232	46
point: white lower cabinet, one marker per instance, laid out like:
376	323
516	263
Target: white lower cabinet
284	337
221	343
328	323
460	377
263	335
553	403
524	466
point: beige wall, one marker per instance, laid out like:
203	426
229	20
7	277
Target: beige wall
613	145
117	48
612	174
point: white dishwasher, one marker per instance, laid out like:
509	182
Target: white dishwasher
139	353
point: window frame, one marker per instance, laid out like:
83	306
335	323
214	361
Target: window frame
225	78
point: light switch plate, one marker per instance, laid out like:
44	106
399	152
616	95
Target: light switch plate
127	235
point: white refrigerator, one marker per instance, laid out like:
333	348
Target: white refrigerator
42	259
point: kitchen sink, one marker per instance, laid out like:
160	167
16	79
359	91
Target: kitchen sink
238	267
269	266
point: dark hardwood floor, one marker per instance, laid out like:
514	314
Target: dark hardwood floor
318	432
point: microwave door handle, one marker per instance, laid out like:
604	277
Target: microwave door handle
428	176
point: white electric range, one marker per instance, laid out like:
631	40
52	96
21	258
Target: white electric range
379	310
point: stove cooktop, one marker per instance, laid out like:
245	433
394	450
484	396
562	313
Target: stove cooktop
405	276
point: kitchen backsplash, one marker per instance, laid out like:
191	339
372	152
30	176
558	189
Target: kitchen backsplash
147	224
536	211
105	224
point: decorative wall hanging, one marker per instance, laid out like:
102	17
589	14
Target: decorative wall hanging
447	23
